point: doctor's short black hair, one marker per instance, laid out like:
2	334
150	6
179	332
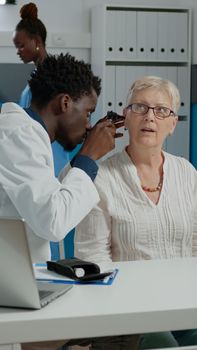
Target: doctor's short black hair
62	74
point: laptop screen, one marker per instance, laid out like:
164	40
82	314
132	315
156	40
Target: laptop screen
18	285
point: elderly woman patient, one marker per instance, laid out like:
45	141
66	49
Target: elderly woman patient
148	197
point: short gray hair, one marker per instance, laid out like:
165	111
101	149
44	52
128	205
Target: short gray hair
151	81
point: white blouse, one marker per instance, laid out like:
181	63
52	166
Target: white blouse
127	225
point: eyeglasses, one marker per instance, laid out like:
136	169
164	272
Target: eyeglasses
160	112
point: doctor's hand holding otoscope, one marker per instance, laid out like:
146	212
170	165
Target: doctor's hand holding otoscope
100	139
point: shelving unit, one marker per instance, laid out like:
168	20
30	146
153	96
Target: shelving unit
129	42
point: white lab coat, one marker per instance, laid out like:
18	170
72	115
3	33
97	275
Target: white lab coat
29	188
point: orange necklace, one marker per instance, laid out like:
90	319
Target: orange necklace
153	189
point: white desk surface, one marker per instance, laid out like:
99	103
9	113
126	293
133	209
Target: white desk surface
146	296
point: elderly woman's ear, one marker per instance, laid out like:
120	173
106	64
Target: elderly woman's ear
175	120
124	114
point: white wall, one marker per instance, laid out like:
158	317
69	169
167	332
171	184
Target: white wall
68	24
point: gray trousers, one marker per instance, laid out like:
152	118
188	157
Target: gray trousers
122	342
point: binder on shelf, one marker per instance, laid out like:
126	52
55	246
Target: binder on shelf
183	85
147	35
130	35
121	90
182	38
109	89
110	35
163	36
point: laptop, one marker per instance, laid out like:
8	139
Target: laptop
18	286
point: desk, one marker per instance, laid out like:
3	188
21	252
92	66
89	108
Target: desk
146	296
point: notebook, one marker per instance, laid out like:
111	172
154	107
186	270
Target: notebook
18	286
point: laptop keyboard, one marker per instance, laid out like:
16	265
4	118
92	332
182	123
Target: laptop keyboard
51	293
44	293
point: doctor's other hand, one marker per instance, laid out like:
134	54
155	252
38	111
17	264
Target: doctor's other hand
100	139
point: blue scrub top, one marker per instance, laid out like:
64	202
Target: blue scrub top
61	157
